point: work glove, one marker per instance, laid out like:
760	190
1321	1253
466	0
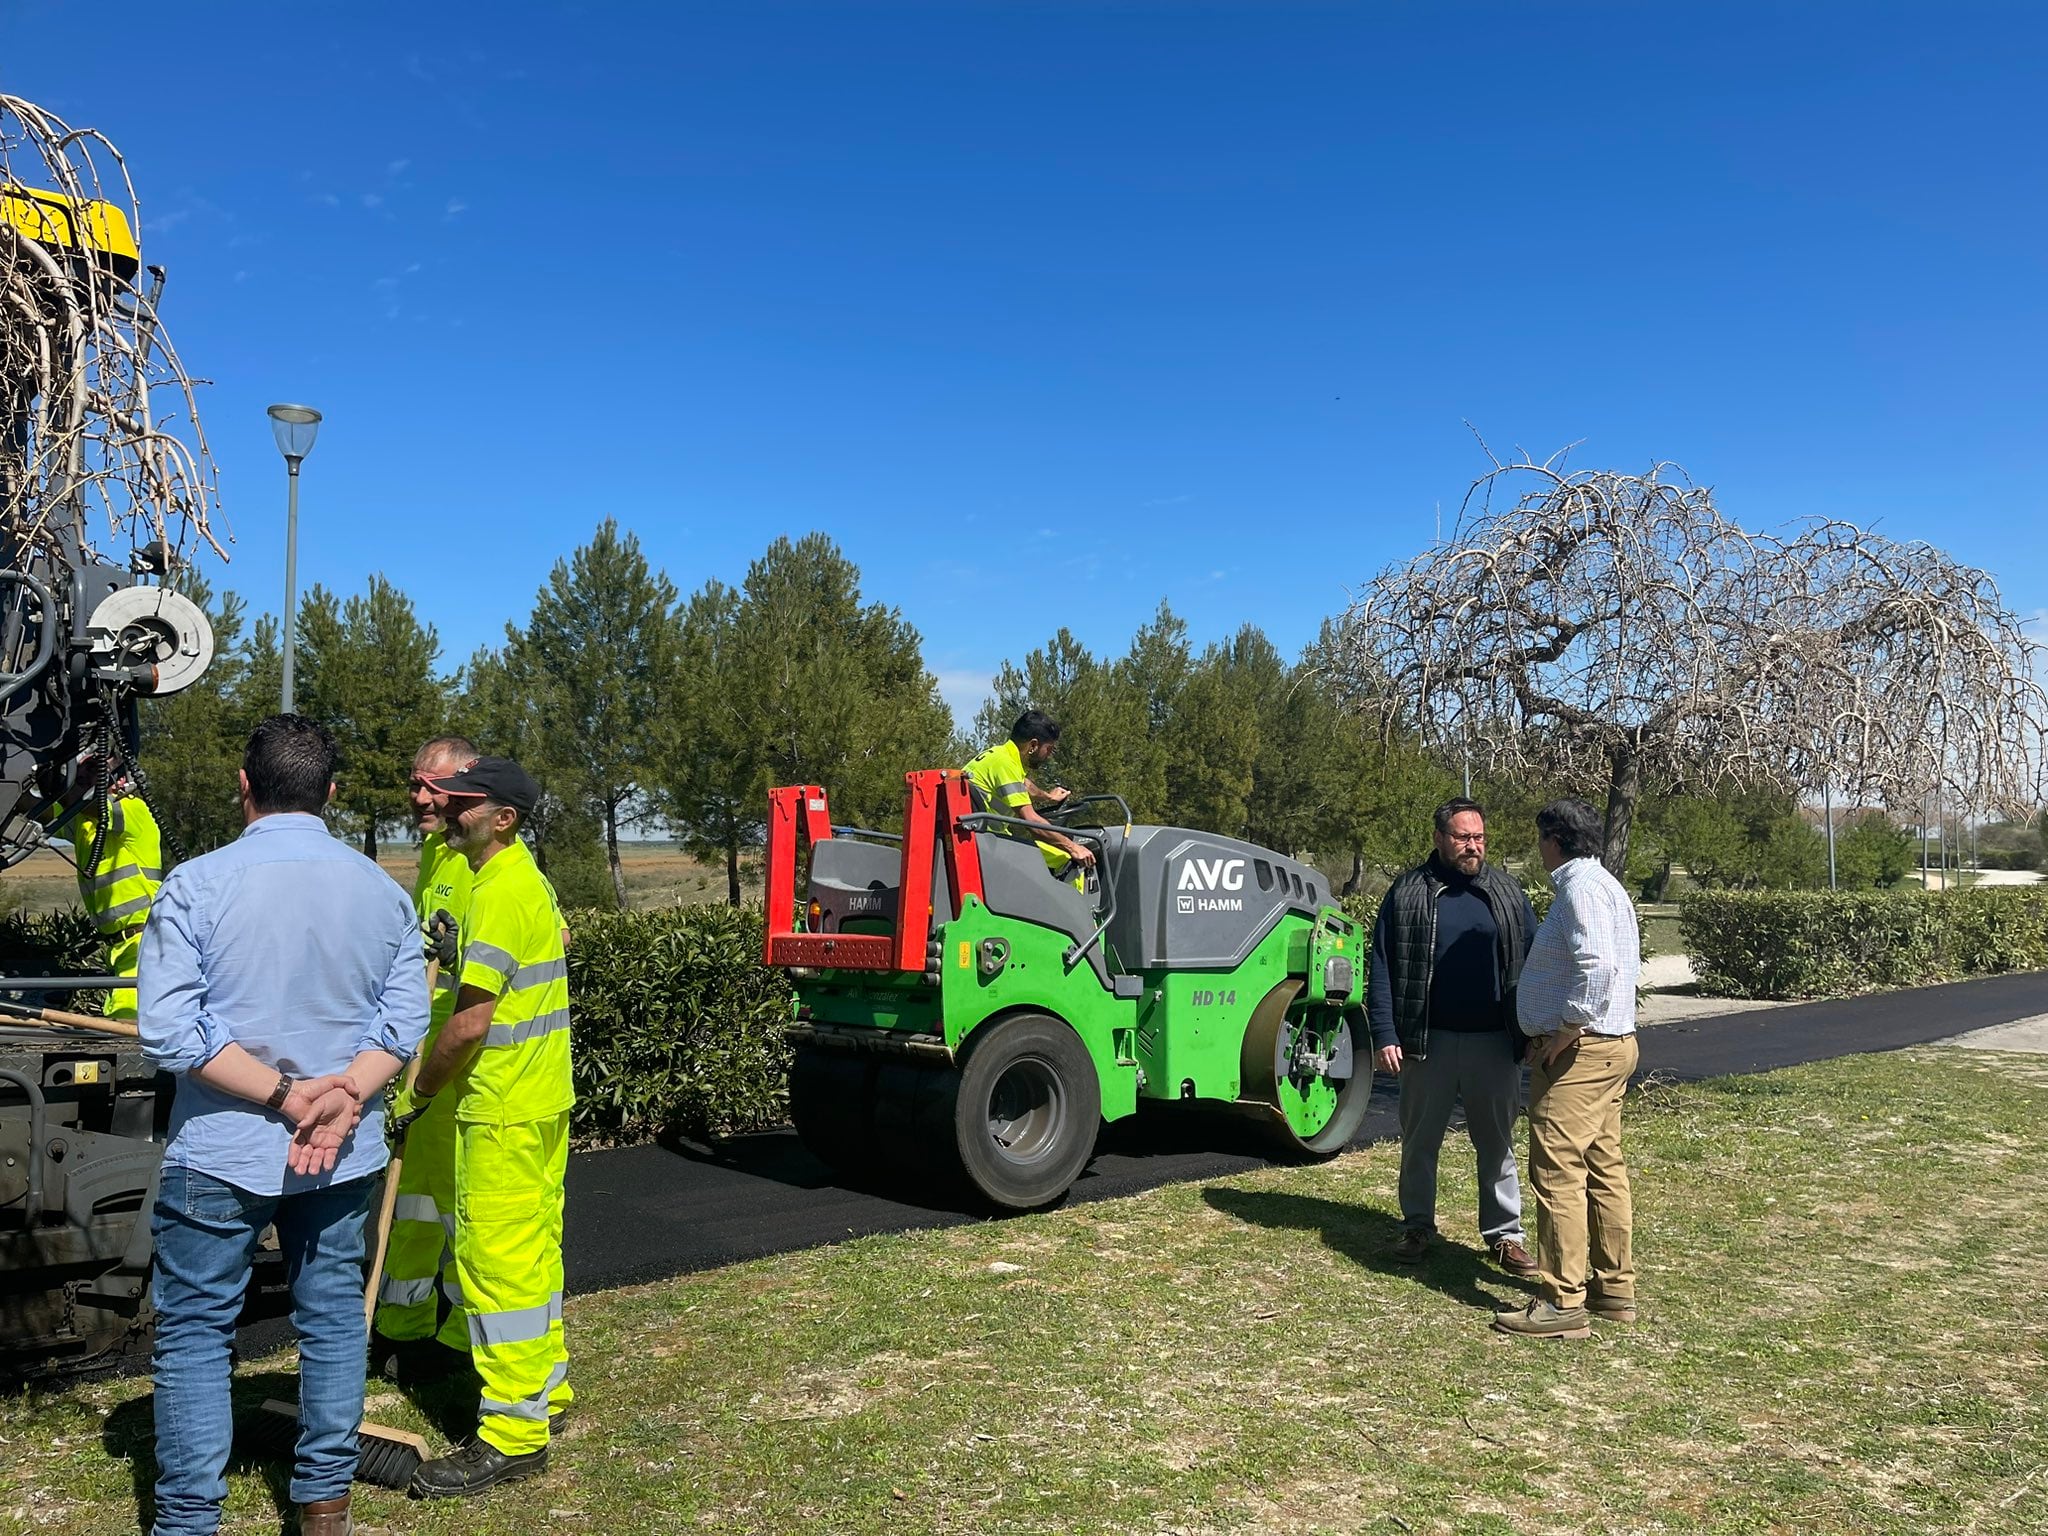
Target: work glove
407	1105
439	934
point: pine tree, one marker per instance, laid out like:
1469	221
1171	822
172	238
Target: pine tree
367	666
600	650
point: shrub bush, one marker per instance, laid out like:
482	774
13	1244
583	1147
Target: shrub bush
678	1025
1782	944
61	943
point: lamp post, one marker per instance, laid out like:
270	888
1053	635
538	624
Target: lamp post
295	427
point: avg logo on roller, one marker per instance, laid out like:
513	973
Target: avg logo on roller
1210	875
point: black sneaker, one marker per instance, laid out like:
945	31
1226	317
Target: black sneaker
1414	1244
475	1467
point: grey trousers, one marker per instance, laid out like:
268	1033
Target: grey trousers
1481	1071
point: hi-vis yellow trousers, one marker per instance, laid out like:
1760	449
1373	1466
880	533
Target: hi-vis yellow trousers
508	1264
419	1264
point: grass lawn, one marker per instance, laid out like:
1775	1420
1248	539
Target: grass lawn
1843	1267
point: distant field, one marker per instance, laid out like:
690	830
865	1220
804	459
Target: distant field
657	874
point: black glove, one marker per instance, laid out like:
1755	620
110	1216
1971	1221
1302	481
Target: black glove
408	1107
440	935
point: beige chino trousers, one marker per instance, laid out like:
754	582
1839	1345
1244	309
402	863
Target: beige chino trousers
1583	1210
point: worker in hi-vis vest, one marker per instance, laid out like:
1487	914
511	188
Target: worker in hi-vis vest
999	780
422	1330
117	887
501	1061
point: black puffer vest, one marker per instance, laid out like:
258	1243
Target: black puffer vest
1411	947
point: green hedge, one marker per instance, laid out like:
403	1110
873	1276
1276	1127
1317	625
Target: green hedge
61	943
1833	943
678	1025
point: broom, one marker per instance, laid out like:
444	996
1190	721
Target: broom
386	1457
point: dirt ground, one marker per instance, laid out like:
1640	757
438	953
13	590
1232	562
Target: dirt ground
657	875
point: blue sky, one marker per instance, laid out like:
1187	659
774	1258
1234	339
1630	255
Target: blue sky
1048	311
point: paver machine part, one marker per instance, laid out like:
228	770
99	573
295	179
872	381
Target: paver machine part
106	495
965	1020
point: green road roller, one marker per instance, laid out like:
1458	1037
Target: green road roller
964	1019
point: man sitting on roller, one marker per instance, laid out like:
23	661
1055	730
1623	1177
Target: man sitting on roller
1000	781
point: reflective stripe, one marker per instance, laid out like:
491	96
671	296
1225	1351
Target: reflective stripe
480	953
515	1034
451	1287
126	909
416	1208
534	975
1011	791
517	1327
405	1293
535	1407
125	872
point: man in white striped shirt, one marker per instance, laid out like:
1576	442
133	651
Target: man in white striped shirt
1577	1002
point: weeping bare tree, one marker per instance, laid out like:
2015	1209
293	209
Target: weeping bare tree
1617	631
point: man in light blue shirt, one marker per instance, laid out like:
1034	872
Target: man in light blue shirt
281	980
1577	1003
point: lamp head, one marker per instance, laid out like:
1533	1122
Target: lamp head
295	427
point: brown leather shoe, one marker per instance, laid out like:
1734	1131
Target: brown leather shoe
330	1517
1513	1257
1612	1309
1414	1243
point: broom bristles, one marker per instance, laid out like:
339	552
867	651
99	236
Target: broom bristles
386	1457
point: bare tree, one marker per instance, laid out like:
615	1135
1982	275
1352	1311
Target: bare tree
1617	630
92	397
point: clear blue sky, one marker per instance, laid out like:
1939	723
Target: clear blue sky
1047	311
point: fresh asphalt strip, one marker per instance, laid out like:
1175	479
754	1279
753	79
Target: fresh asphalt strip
645	1213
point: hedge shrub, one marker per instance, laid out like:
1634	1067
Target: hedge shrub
1782	944
60	943
678	1025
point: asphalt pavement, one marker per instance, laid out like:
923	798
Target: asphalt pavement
647	1213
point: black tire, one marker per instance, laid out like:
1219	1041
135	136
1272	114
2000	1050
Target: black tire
832	1106
1026	1110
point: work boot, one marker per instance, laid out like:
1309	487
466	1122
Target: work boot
1513	1257
1414	1244
329	1517
1541	1320
475	1467
1612	1309
414	1362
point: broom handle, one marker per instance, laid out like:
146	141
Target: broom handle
72	1020
391	1171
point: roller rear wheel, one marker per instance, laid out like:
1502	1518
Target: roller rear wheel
1026	1110
832	1105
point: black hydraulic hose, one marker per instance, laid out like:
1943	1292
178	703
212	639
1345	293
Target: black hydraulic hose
36	1108
12	683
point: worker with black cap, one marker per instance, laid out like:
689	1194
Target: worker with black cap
503	1057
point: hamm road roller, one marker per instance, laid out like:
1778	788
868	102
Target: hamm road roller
965	1018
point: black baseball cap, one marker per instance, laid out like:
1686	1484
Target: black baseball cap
493	778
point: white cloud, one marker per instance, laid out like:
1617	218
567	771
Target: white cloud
396	168
455	205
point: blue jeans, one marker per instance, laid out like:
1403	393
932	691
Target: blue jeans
206	1233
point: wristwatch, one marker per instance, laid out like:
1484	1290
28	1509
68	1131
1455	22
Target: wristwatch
280	1093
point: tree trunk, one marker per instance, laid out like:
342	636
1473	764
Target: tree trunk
1357	872
611	853
732	872
370	839
1624	783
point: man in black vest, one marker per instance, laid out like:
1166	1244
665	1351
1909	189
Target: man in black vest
1446	952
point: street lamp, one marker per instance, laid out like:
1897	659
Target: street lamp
295	427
